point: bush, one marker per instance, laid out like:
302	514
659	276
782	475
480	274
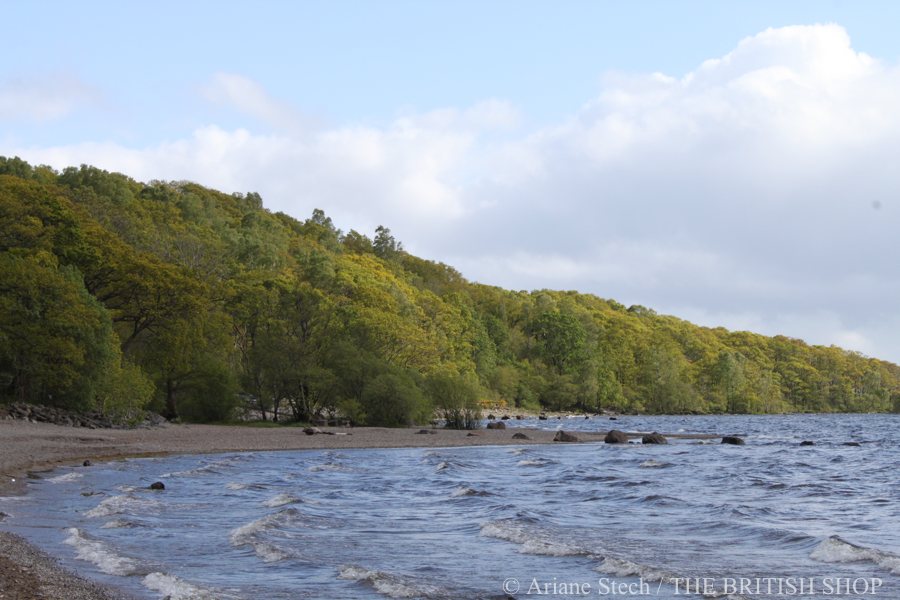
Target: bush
456	399
394	400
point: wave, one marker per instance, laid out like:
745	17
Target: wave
328	467
100	554
281	500
116	505
177	589
390	584
836	550
467	491
533	540
654	464
535	462
73	476
252	534
214	468
236	486
619	567
121	524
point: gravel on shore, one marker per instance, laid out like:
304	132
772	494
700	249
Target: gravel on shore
27	573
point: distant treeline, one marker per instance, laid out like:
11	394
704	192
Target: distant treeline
116	295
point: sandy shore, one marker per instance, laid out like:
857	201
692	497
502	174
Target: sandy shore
26	572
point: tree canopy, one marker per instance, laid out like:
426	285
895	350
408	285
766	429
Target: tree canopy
116	294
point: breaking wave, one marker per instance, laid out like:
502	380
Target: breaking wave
836	550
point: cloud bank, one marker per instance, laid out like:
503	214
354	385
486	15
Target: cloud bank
756	192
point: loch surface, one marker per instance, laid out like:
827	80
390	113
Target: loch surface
479	522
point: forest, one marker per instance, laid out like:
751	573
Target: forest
117	295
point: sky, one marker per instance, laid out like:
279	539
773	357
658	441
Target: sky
731	163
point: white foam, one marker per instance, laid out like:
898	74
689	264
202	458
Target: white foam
122	504
653	464
625	568
281	500
177	589
390	585
73	476
98	553
533	541
518	451
836	550
236	486
442	465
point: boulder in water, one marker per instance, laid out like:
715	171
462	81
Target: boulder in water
542	417
733	440
807	443
86	463
157	485
851	443
654	438
616	437
562	436
504	418
491	417
520	436
496	425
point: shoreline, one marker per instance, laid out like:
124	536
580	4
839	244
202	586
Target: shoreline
28	572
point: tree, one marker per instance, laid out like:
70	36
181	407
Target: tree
57	344
384	245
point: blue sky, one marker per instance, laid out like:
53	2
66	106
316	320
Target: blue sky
357	61
727	162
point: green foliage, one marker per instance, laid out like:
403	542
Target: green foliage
116	293
456	400
393	399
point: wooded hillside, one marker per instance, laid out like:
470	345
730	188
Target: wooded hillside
116	294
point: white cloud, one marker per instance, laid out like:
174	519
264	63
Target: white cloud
745	187
42	99
250	98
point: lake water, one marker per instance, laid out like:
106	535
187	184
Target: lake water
571	520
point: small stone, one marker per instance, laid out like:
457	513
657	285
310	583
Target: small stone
86	463
520	436
616	437
654	438
562	436
733	440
